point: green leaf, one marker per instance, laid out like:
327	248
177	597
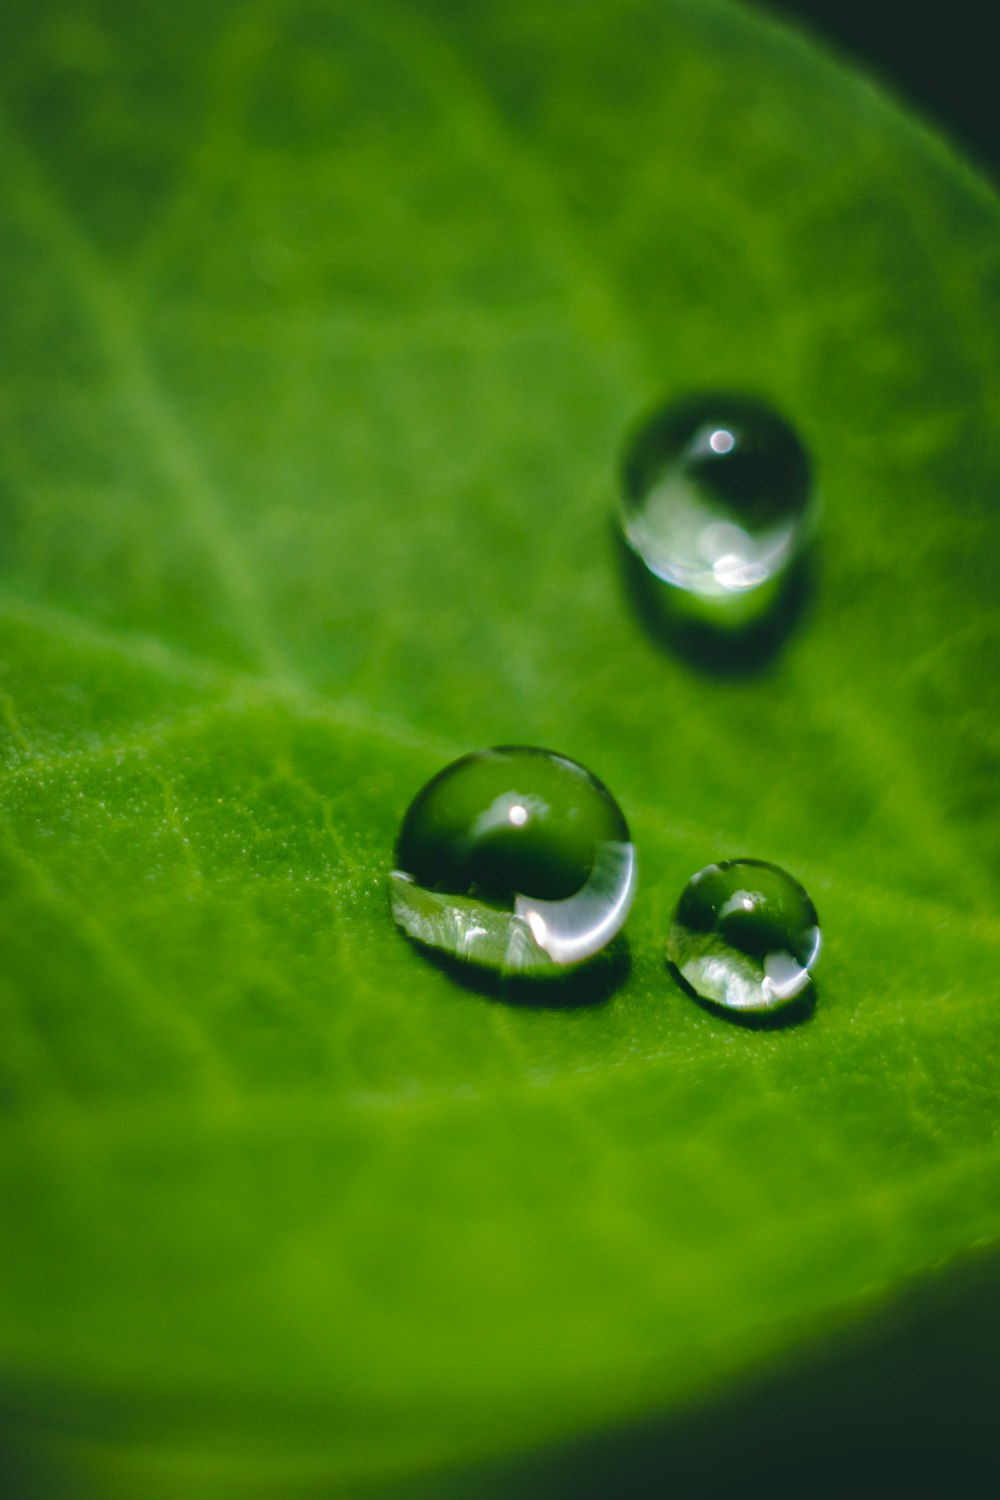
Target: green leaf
325	326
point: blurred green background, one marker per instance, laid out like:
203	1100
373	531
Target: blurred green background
324	325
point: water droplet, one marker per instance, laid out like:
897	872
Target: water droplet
745	935
515	859
716	505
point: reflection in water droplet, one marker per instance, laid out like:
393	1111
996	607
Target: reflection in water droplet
745	935
515	859
716	504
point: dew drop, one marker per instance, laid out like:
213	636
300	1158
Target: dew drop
515	859
716	504
744	935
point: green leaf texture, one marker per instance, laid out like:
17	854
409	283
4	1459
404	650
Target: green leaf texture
325	324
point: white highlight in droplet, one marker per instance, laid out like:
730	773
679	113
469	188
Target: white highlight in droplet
572	930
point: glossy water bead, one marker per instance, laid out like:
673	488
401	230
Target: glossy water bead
745	935
515	859
716	503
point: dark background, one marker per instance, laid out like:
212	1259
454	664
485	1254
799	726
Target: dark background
940	60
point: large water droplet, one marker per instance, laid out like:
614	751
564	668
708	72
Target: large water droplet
515	859
745	935
716	505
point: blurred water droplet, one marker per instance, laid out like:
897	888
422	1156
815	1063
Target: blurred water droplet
716	506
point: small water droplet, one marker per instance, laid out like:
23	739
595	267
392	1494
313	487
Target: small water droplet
716	504
515	859
744	935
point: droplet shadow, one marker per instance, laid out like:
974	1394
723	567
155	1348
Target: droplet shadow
591	984
795	1013
718	650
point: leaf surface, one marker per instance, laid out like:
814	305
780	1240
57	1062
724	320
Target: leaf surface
325	328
